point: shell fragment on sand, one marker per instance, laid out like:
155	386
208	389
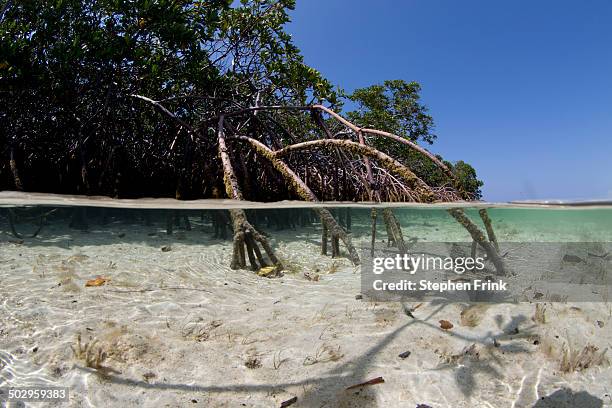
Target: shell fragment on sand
445	325
267	271
99	281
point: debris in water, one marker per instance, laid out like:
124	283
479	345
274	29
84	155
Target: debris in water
573	259
600	323
99	281
77	258
445	325
358	297
409	310
312	276
252	363
377	380
405	354
290	401
166	248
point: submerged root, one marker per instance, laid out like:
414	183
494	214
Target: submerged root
489	227
337	234
394	230
246	241
373	215
324	234
479	237
12	220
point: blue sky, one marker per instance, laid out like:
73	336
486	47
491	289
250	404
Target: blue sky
522	90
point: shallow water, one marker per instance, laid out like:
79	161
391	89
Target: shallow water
177	325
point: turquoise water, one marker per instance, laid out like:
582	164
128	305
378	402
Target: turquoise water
517	224
512	224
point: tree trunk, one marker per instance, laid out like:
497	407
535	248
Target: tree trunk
244	233
15	171
84	172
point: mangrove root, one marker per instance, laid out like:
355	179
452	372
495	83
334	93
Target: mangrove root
337	234
489	227
374	216
297	184
11	219
424	192
478	236
246	240
245	236
323	238
394	230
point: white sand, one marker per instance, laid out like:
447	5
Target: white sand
179	328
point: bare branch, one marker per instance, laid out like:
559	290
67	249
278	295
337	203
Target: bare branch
167	112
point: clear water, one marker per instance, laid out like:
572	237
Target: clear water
177	325
521	224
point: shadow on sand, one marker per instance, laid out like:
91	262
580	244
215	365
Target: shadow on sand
330	390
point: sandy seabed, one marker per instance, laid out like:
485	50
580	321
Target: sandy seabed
179	328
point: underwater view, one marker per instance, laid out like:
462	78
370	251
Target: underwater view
141	306
305	204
